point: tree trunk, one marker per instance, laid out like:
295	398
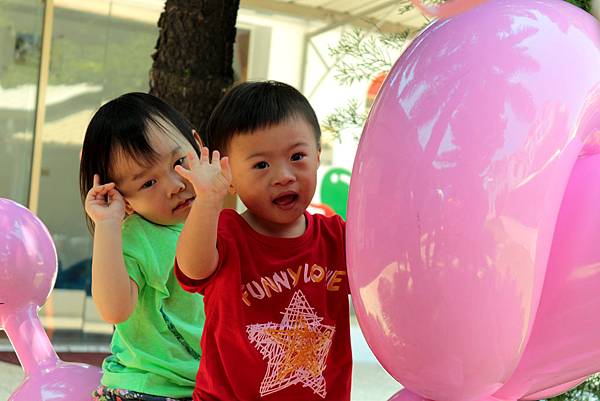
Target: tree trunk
192	65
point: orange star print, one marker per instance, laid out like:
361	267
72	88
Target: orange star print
296	348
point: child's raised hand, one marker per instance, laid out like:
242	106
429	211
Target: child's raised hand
104	202
209	177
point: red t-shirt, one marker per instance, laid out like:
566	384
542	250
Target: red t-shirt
277	318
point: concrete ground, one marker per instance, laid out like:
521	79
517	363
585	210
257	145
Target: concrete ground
370	382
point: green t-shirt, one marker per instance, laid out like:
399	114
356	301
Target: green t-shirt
157	350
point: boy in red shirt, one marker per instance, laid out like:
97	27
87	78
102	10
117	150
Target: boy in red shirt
274	277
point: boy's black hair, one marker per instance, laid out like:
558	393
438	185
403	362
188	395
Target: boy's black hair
250	106
121	125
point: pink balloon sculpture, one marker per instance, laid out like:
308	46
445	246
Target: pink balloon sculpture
448	9
28	269
478	134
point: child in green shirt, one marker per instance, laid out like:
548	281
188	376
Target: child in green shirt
136	204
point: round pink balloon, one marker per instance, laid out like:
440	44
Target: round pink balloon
28	269
456	189
448	9
27	259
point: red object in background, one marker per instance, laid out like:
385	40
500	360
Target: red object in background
375	86
320	208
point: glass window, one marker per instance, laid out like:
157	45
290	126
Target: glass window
100	49
20	43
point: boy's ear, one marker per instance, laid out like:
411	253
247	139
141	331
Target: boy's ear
319	157
232	190
197	138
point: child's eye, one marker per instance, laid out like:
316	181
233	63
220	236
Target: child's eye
148	184
180	161
261	165
298	156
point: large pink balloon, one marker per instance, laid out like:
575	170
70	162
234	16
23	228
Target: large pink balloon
448	9
457	186
27	274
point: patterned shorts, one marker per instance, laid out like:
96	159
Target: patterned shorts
115	394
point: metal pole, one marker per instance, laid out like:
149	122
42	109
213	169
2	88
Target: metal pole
40	114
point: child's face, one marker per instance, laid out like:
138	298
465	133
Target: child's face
275	172
157	193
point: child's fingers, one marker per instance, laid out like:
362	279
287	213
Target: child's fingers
192	160
96	182
114	195
225	168
104	188
204	155
100	190
182	171
215	156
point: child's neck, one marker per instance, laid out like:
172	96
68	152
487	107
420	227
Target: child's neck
270	229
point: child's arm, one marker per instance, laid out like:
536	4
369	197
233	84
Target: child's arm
114	292
197	255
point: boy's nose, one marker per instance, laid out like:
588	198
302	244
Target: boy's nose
284	177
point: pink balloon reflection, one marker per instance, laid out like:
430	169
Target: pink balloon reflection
27	274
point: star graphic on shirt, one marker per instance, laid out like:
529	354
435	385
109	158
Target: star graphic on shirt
296	348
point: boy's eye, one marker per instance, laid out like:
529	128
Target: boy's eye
148	184
180	161
261	165
298	156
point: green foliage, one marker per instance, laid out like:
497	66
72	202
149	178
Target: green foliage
348	117
587	391
361	55
583	4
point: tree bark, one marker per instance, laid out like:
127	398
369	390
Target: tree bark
192	64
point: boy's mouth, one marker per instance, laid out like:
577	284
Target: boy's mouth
183	204
286	200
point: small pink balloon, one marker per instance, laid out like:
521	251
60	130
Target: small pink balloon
448	9
28	267
456	190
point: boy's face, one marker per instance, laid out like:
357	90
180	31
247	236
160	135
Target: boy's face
157	192
274	172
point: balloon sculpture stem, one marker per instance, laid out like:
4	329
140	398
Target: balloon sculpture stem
31	343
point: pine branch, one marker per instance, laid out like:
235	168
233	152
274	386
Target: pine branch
348	117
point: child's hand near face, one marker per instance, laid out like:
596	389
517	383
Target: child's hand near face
211	178
104	202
